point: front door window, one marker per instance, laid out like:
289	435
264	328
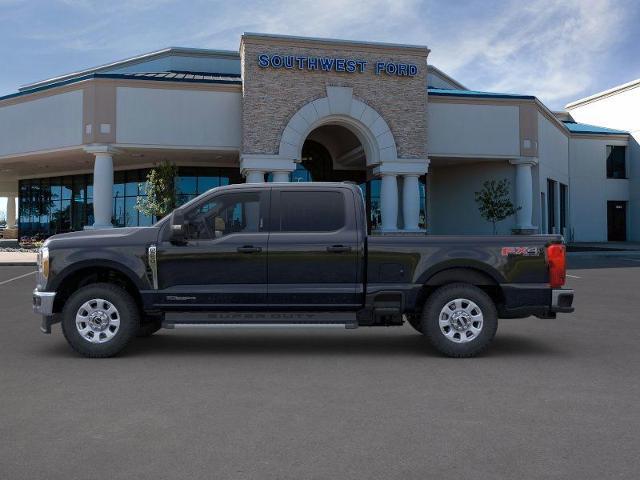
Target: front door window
224	215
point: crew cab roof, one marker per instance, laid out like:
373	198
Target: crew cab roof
310	185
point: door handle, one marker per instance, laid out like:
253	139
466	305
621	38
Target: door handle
249	249
338	249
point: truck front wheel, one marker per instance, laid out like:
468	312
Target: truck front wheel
459	320
99	320
148	326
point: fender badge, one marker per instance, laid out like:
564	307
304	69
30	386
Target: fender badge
521	251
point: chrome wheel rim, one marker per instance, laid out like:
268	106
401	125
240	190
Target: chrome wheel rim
461	320
97	320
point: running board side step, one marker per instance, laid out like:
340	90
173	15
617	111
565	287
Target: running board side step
260	320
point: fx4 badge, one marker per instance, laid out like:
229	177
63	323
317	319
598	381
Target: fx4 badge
523	251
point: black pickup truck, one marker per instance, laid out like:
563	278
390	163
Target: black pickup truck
294	255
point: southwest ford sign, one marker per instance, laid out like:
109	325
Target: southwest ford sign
334	64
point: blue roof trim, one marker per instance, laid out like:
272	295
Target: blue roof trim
444	92
225	80
585	128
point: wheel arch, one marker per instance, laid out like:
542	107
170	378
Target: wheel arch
461	270
475	273
94	271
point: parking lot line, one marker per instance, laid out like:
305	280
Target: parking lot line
17	278
573	276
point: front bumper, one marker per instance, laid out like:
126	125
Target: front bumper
43	305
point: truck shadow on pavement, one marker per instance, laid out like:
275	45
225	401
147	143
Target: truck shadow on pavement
287	344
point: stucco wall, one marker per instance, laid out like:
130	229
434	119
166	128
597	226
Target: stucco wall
452	207
8	187
271	96
620	111
553	163
43	124
473	129
190	118
589	189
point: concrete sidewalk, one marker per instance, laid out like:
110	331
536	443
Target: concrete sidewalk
604	246
18	258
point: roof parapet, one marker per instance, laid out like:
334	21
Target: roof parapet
605	93
132	61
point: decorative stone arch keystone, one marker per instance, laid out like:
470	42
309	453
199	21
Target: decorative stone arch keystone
340	108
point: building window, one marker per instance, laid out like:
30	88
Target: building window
563	206
543	212
616	161
62	204
551	205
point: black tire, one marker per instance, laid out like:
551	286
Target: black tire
415	321
478	341
127	311
148	327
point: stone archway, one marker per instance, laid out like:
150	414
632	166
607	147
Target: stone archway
339	107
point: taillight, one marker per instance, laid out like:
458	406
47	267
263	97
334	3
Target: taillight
556	255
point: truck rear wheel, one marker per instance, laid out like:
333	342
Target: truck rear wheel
459	320
99	320
415	320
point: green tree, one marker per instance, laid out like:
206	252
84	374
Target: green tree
161	196
494	202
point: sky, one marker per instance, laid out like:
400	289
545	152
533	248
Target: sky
557	50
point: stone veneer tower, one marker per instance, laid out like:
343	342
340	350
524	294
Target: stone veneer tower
292	85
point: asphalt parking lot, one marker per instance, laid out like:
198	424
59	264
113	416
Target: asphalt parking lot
551	399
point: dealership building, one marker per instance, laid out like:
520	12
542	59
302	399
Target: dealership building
75	149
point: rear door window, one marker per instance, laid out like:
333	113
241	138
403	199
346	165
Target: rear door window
311	211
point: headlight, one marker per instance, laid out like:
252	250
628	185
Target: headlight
43	262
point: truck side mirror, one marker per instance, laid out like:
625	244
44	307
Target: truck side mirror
177	226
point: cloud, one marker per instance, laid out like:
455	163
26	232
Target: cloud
557	50
547	48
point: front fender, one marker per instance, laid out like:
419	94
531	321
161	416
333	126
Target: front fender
132	266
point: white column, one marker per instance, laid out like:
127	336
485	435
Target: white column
280	176
254	165
389	202
254	176
410	169
102	185
410	202
103	191
524	192
11	212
